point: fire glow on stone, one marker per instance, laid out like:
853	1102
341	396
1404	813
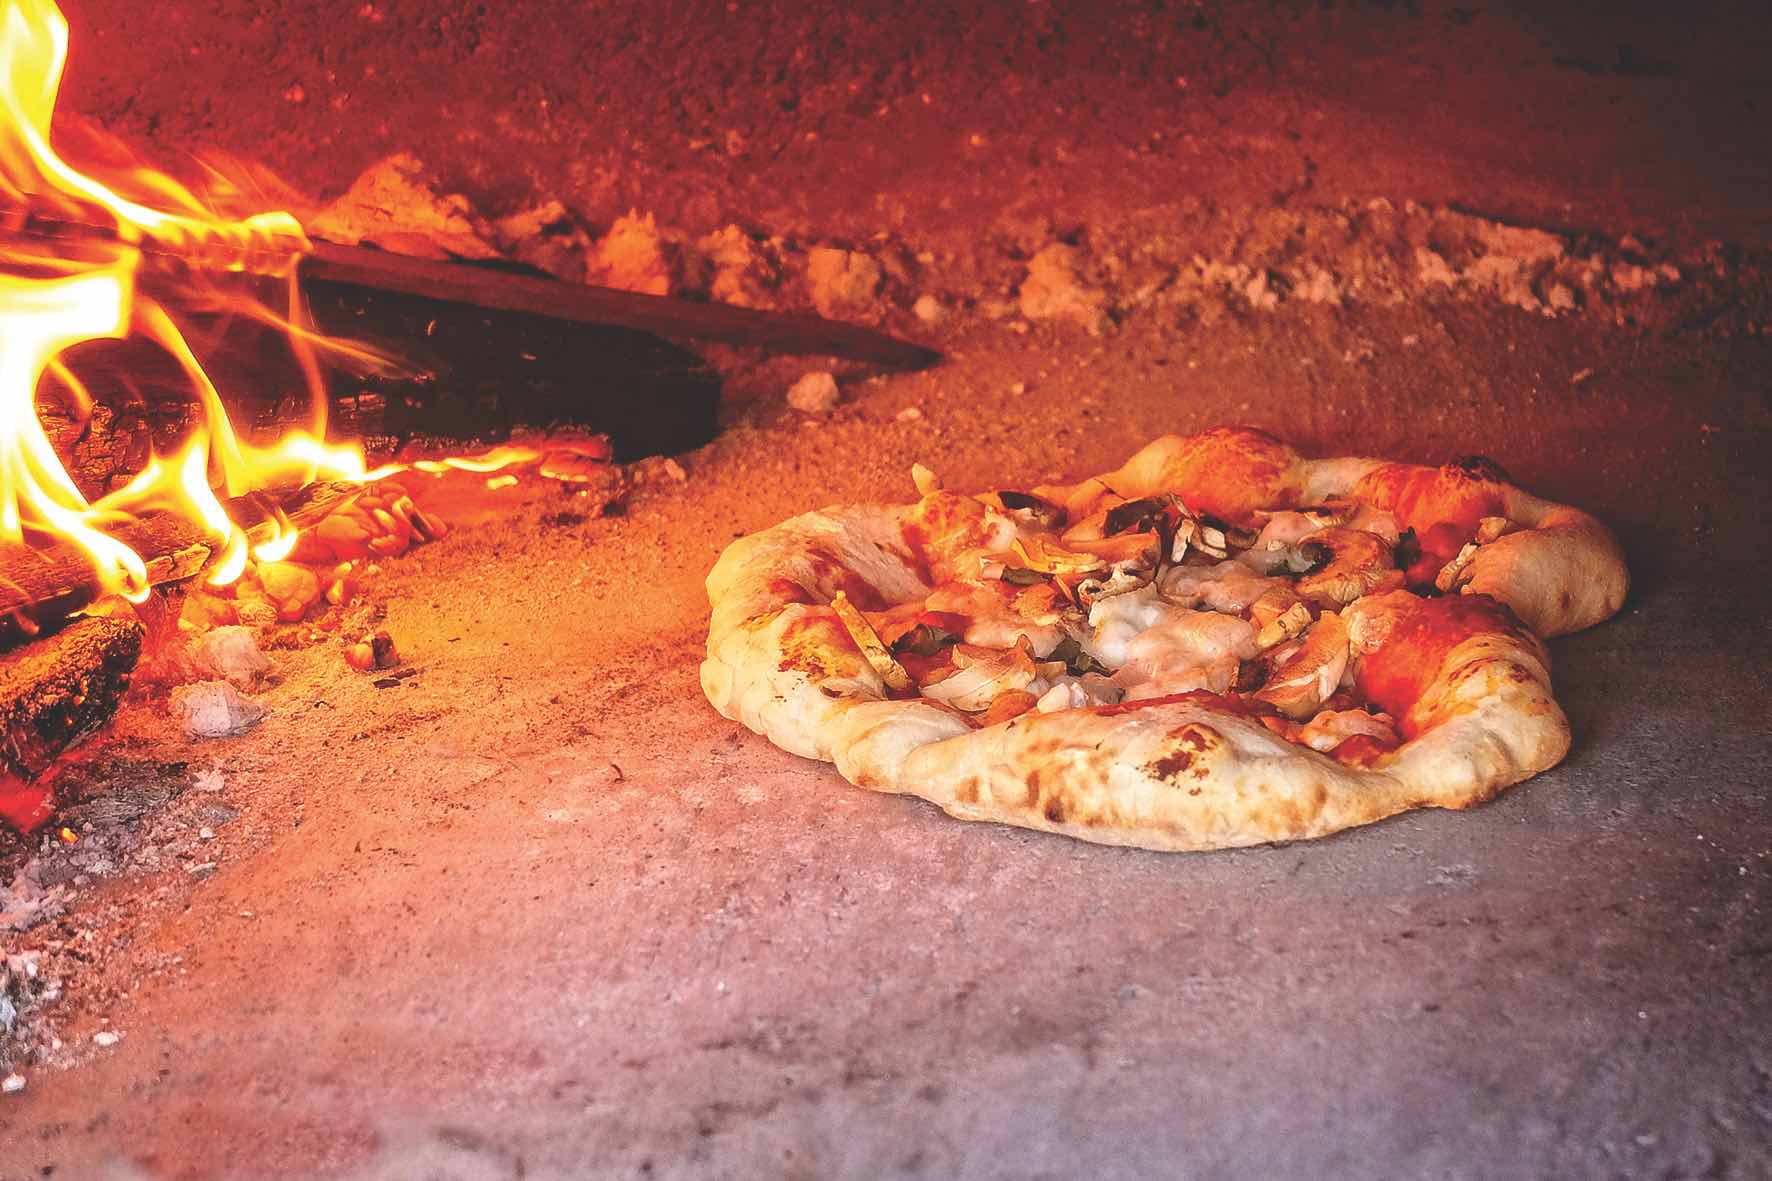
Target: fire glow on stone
53	300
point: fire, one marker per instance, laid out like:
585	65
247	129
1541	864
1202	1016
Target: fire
90	290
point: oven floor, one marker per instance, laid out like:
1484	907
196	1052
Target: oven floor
542	907
539	912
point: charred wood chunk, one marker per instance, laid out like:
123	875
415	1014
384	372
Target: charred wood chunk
447	373
62	687
471	373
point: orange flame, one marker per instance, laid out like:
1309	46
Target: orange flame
48	303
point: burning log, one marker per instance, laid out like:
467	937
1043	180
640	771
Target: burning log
39	585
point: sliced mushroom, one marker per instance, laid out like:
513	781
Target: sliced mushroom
1454	573
1278	616
1120	578
1025	508
1210	539
873	650
1184	537
1309	677
1359	564
1046	558
1493	528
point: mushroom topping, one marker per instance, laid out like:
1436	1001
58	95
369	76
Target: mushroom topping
1142	516
1359	564
1024	508
1229	586
1493	528
873	649
981	674
1184	536
1121	577
1454	574
1046	558
1310	675
1210	539
1279	615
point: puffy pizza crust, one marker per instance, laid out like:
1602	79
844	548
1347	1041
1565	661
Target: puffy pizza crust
1188	773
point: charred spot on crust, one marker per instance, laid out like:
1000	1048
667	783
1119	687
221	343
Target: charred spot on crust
1171	765
1187	744
1054	810
1480	467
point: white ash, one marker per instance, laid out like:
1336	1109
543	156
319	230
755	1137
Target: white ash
842	281
229	653
1055	289
27	900
635	256
215	709
814	393
395	204
1207	263
742	269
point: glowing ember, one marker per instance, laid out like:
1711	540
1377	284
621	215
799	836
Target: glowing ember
52	301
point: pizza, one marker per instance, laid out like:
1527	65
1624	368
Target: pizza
1221	643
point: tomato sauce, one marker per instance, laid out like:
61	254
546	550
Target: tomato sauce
1230	472
1395	675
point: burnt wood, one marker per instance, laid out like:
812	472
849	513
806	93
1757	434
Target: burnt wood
463	376
486	287
473	374
58	690
517	289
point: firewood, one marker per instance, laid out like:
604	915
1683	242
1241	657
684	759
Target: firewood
485	287
41	585
60	688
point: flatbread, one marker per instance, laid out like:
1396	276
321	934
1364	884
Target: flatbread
1462	678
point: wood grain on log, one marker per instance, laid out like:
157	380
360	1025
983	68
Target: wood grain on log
486	287
58	690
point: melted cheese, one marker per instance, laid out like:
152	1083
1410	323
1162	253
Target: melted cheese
1229	586
1186	650
1159	647
998	615
1117	620
1330	728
